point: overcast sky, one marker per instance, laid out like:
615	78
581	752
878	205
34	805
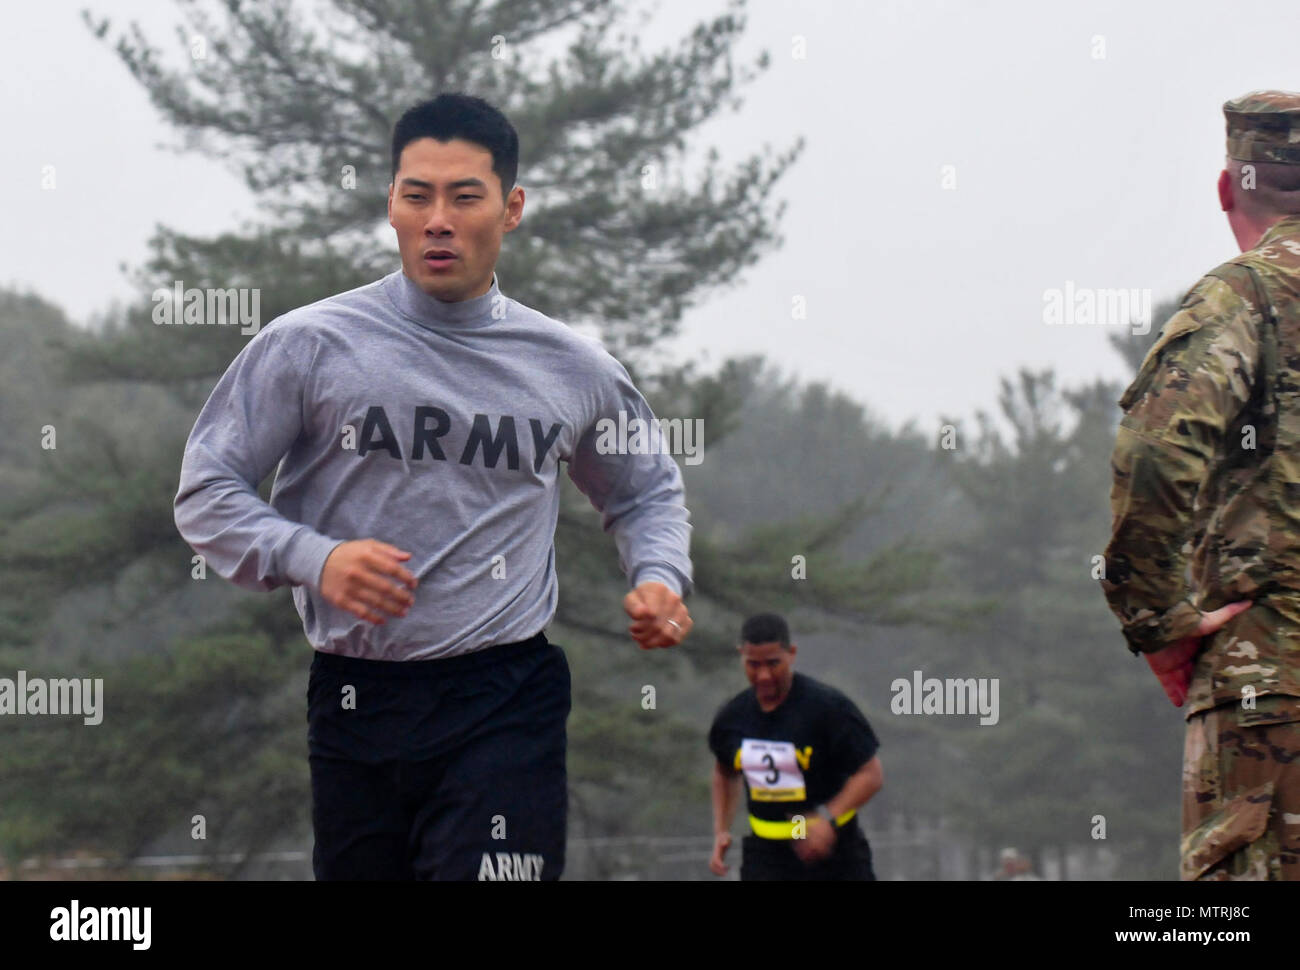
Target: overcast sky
1082	142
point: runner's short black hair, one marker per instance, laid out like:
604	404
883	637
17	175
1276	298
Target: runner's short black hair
456	115
766	628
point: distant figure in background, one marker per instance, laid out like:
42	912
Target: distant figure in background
1208	454
1014	867
809	760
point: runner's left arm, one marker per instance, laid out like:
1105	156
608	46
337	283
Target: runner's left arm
854	743
641	497
861	786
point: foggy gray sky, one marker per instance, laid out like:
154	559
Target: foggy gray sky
1068	167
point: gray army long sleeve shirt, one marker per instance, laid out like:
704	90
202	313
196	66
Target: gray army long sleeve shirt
436	427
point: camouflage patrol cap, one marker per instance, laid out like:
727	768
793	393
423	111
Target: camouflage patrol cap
1264	126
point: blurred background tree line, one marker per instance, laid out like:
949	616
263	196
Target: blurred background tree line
967	561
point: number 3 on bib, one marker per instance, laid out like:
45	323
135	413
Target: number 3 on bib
772	771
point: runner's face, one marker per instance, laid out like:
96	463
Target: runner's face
445	196
770	668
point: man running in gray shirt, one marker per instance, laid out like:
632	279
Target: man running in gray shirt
419	422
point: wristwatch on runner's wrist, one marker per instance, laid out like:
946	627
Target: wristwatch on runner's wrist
825	813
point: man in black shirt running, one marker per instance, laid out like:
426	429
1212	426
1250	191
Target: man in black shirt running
809	760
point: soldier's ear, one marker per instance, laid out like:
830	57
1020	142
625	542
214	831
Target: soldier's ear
1227	202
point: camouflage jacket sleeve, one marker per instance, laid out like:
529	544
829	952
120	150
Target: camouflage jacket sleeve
1193	382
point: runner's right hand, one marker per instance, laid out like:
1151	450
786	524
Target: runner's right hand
721	842
366	578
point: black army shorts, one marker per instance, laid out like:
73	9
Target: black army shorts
765	860
440	769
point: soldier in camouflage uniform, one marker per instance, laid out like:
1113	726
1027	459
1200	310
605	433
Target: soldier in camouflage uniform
1207	458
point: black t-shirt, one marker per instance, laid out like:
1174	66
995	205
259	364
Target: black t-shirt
797	756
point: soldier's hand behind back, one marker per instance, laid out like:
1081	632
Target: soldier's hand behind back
366	578
1173	665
